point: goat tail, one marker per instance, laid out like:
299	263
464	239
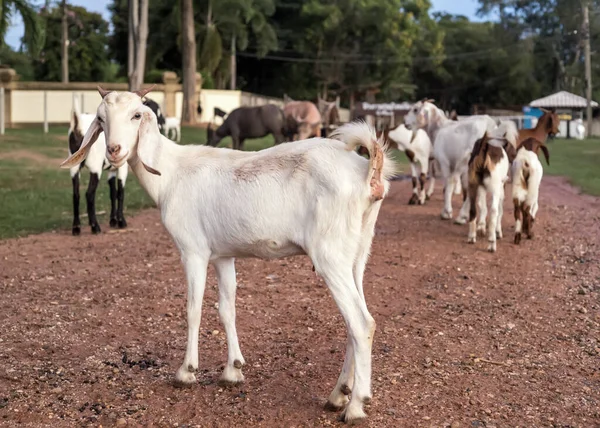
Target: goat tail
381	165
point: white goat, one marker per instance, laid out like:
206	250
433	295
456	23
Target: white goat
527	177
173	128
417	147
315	197
95	162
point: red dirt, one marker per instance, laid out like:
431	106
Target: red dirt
465	338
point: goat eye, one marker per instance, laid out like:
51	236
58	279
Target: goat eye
137	116
100	120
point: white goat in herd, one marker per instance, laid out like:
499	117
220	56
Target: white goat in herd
453	143
315	197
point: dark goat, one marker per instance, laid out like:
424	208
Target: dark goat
156	109
249	122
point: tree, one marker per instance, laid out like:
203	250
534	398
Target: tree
33	39
88	33
64	42
188	33
136	43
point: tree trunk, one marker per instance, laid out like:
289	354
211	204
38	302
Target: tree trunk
188	36
64	53
132	25
140	45
233	66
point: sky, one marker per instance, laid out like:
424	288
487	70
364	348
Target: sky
467	8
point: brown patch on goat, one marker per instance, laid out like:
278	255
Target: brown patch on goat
345	389
484	159
410	155
422	179
414	198
534	145
518	214
293	164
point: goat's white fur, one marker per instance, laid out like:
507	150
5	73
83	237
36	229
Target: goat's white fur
526	168
312	197
420	145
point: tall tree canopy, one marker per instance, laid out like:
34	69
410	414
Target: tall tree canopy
33	40
88	39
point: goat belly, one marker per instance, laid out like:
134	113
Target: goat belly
263	249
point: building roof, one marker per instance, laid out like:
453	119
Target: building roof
562	99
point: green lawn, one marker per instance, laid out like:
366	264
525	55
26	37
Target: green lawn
36	195
577	160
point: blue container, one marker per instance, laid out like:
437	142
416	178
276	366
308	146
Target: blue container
530	113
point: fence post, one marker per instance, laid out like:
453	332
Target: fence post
82	104
2	110
45	112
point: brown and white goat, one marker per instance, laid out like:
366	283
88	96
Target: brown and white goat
488	171
527	176
546	125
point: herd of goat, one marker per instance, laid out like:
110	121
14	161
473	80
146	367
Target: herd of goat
316	197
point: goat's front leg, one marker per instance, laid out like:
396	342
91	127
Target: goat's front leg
90	197
121	178
463	215
195	269
112	186
227	286
431	178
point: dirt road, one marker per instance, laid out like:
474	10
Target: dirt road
93	328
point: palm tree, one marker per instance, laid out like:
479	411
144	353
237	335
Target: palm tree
33	41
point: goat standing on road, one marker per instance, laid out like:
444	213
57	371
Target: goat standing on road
315	197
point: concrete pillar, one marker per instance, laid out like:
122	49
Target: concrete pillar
8	77
171	82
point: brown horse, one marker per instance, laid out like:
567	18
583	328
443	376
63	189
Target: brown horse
302	119
547	125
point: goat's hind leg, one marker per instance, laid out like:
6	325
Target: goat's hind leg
472	195
338	274
195	269
76	230
232	374
339	396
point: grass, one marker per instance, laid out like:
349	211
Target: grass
577	160
36	196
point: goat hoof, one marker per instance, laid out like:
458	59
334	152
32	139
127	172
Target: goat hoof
113	222
229	383
122	224
517	238
330	407
460	220
530	235
492	248
413	200
184	378
352	415
76	231
446	216
427	197
345	389
471	240
96	229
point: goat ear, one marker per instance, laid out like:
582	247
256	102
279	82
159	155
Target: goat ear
89	138
546	153
430	100
148	141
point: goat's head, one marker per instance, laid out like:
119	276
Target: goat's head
419	115
130	129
